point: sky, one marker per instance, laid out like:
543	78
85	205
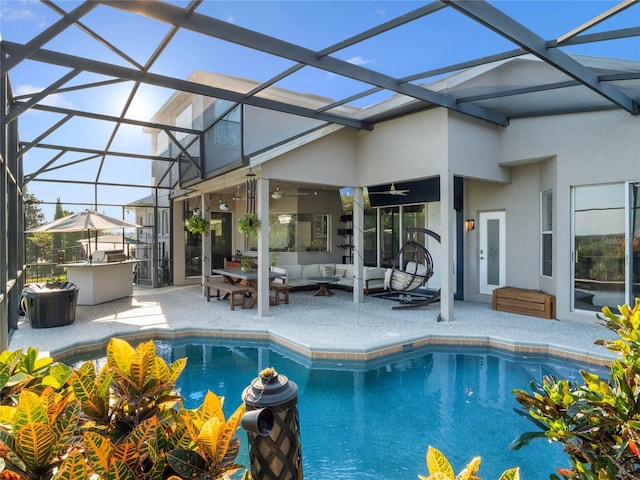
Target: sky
434	41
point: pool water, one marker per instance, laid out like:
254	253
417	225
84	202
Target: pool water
377	422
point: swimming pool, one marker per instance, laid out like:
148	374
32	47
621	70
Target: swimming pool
375	421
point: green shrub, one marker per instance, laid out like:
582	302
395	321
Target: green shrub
248	224
598	421
440	469
197	225
124	421
21	370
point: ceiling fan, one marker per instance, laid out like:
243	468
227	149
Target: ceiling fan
392	191
277	194
237	196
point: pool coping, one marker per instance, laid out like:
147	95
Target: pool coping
348	355
330	329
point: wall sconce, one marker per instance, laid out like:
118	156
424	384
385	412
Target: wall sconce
224	206
469	224
196	212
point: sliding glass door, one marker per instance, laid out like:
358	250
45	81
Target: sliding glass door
371	237
605	245
389	235
633	250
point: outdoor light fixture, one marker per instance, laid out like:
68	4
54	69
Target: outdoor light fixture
469	224
272	424
224	206
250	173
196	212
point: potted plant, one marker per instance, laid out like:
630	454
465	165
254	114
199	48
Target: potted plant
248	223
246	264
197	225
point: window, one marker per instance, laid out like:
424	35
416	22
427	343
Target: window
227	130
296	232
165	222
599	225
546	232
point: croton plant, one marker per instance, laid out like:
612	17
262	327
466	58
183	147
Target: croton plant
597	421
121	422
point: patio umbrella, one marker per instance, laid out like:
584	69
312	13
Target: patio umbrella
88	220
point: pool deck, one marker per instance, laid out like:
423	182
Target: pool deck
317	327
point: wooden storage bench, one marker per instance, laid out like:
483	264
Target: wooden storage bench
524	302
229	289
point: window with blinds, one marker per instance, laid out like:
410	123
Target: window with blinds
546	233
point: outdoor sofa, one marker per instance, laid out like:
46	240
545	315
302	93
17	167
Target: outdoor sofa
298	276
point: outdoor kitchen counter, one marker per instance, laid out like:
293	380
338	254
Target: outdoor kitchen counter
100	282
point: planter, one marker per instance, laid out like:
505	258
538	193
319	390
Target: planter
197	225
51	304
246	264
248	223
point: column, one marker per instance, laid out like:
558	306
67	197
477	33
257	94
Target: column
206	241
358	245
262	210
447	251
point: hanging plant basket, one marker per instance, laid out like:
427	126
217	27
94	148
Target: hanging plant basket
197	225
248	223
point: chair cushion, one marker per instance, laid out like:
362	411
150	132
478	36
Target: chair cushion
373	272
310	270
417	268
347	267
294	272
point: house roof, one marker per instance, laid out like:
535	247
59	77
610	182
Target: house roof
336	62
149	201
518	87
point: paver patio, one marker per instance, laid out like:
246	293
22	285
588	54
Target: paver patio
319	327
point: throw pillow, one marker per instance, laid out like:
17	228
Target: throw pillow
328	271
340	272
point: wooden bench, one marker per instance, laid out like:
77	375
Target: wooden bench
281	292
524	302
229	289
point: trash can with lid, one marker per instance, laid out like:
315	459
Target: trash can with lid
51	304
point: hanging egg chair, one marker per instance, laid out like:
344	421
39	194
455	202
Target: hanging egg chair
418	269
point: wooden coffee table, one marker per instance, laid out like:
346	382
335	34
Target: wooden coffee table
323	285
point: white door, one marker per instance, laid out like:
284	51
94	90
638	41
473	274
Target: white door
492	251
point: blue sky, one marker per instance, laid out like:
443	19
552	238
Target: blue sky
437	40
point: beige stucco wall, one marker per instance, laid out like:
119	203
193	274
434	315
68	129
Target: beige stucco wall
474	147
555	153
590	148
327	161
519	200
505	168
406	148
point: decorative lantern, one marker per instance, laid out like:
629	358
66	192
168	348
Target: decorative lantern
273	428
